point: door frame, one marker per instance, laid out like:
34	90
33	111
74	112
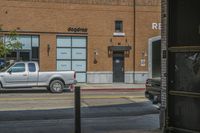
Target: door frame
150	43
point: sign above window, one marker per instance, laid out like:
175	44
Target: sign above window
77	29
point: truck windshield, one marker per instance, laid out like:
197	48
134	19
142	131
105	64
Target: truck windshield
5	67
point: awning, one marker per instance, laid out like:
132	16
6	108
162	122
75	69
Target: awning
119	48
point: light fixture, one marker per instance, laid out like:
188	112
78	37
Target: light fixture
110	52
110	41
144	54
95	56
48	49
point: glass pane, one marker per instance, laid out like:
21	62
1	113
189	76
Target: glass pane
20	67
35	41
185	72
79	65
26	42
35	52
11	56
184	112
78	53
79	41
63	53
81	77
184	20
118	26
8	40
64	42
63	65
24	56
31	67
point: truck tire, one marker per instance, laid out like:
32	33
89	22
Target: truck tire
56	86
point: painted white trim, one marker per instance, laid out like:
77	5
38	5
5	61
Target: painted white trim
118	34
150	53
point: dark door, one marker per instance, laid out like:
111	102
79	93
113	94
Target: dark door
118	67
156	58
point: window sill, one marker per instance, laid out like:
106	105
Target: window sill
118	34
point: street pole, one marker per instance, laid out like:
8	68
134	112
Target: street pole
77	110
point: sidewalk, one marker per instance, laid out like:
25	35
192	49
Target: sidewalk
111	87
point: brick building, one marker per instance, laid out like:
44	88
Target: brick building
105	41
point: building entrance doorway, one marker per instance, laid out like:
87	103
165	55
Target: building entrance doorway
154	57
118	67
22	55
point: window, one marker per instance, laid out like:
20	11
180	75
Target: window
20	67
30	46
31	67
72	55
118	26
35	48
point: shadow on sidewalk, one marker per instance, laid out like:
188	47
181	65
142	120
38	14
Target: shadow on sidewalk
102	119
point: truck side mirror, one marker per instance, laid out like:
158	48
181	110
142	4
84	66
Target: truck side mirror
10	71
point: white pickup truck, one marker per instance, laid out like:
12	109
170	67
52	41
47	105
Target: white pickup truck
27	75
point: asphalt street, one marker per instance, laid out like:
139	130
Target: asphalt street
38	111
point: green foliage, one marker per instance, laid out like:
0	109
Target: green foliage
10	44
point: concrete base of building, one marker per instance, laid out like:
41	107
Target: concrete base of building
100	77
107	77
129	77
141	77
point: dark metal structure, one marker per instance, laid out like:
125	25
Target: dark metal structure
77	97
181	66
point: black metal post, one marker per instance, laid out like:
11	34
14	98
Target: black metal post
77	110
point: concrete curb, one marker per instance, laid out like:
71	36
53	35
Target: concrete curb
113	89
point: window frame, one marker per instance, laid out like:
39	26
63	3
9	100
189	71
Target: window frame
119	24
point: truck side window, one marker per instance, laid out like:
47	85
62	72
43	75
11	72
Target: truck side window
31	67
20	67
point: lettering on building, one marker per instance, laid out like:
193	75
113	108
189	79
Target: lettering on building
156	26
79	29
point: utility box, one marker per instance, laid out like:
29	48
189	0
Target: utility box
180	66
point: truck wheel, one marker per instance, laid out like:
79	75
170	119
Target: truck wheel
56	86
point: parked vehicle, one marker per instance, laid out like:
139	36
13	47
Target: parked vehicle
27	74
2	63
153	90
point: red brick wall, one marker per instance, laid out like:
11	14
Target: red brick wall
98	16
